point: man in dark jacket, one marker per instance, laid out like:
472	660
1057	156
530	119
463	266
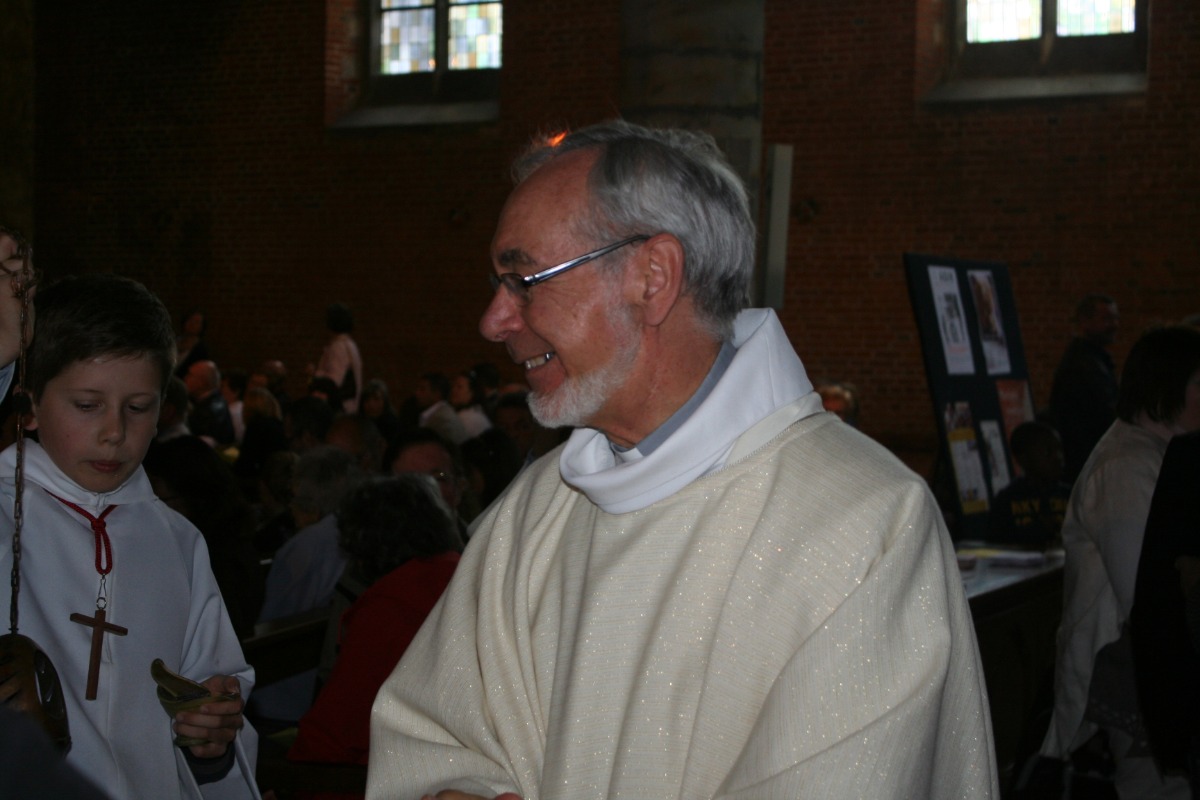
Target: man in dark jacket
1083	399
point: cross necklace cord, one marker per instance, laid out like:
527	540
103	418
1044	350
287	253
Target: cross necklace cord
104	565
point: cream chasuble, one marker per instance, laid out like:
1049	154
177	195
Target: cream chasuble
791	624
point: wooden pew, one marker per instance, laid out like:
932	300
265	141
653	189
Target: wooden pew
285	777
280	649
287	646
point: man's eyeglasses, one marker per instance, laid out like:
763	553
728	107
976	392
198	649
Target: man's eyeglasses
519	284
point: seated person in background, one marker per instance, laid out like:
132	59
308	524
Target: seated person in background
1166	654
173	414
487	377
190	477
466	396
209	417
359	437
436	413
306	567
272	376
274	503
424	451
376	405
263	436
306	421
326	390
233	389
1095	693
403	547
1030	510
840	399
492	461
513	417
190	345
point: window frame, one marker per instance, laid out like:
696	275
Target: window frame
1050	66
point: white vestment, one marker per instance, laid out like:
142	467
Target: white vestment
769	607
161	589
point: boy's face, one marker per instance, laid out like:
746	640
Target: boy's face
96	418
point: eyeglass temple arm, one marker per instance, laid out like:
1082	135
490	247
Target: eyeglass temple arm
545	275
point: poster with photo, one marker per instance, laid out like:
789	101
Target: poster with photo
952	322
979	384
1016	404
965	458
989	321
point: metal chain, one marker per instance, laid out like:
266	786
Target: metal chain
22	284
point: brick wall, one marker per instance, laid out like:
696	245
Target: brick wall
16	115
1076	195
186	145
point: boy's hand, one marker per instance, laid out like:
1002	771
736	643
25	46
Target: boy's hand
219	721
10	305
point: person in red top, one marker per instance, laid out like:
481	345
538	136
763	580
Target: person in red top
403	547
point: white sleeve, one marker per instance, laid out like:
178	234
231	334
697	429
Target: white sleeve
214	650
1115	509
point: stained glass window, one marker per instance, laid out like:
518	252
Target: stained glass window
1003	20
1014	20
474	35
406	30
409	35
1095	17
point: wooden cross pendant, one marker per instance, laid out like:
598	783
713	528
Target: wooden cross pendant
99	628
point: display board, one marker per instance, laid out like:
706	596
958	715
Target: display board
975	365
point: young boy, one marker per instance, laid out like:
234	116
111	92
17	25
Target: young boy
111	578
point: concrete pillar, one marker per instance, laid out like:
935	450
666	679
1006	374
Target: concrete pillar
697	64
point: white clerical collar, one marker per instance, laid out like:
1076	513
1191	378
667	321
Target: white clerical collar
763	377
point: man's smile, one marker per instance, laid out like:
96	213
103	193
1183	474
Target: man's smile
537	361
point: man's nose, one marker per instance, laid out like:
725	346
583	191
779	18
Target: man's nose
502	317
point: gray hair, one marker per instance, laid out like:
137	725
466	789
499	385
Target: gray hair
648	181
322	477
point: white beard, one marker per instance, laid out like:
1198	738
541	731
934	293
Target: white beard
577	400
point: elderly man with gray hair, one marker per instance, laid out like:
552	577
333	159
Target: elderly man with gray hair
306	568
713	588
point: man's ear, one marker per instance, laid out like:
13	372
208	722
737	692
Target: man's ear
660	278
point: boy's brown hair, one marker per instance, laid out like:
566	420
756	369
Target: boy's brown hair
82	317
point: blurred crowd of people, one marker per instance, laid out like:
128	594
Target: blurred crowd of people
336	498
